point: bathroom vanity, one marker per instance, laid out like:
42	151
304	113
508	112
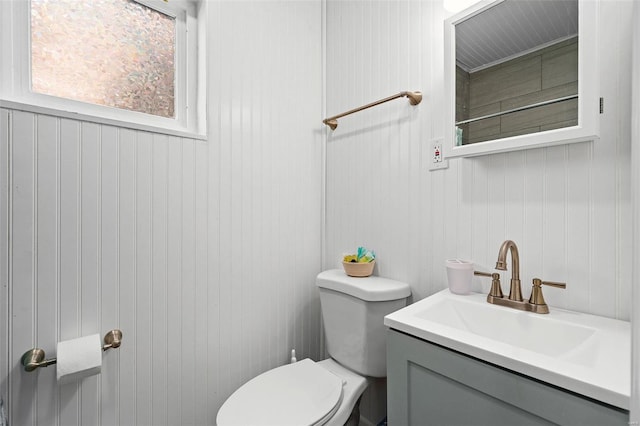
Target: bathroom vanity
459	360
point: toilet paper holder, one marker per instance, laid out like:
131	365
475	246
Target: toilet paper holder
34	358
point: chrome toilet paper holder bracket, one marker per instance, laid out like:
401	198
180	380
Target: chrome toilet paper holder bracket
34	358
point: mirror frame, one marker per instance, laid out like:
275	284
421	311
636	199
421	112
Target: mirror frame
588	89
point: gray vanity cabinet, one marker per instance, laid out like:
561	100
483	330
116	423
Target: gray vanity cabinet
428	384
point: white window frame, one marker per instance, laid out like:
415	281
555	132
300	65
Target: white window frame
190	83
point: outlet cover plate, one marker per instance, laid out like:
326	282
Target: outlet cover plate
434	156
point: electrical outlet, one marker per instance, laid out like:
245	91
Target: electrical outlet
435	157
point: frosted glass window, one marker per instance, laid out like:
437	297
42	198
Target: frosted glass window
117	53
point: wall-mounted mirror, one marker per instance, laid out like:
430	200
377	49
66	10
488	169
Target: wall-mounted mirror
520	74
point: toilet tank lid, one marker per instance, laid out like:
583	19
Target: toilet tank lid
371	289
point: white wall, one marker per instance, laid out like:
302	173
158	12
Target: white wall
165	236
635	167
567	208
203	253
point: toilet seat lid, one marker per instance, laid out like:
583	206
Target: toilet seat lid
302	393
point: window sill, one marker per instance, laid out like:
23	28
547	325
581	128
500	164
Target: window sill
21	106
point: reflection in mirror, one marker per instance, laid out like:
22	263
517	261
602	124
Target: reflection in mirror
516	70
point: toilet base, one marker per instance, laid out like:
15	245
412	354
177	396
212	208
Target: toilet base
354	418
354	386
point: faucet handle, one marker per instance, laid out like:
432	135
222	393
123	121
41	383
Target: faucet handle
496	289
551	283
536	292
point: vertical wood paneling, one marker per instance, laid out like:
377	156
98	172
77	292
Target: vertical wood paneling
89	266
216	244
201	363
47	265
4	254
514	197
223	146
578	219
478	193
554	231
551	201
566	207
634	416
204	253
127	263
605	181
109	272
159	300
22	257
623	112
144	273
174	365
494	228
187	288
69	256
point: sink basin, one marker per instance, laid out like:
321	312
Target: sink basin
533	332
583	353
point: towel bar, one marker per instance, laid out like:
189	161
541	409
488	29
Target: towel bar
414	99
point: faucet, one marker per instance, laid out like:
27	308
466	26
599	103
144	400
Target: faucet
536	302
515	291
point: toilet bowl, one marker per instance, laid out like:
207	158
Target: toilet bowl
309	393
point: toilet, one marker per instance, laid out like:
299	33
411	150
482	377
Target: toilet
306	392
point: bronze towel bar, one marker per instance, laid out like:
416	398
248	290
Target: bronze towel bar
414	99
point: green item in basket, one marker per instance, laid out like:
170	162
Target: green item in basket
364	255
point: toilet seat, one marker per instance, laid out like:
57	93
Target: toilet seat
302	393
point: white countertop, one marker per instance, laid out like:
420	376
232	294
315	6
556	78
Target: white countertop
583	353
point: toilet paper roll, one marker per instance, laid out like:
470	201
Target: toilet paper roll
79	358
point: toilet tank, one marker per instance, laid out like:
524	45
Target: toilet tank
353	311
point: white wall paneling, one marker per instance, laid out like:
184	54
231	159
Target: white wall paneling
4	254
635	196
567	207
215	244
204	253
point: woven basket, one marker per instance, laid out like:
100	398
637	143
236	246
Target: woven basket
355	269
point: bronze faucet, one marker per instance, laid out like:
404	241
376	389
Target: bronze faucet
536	302
515	291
